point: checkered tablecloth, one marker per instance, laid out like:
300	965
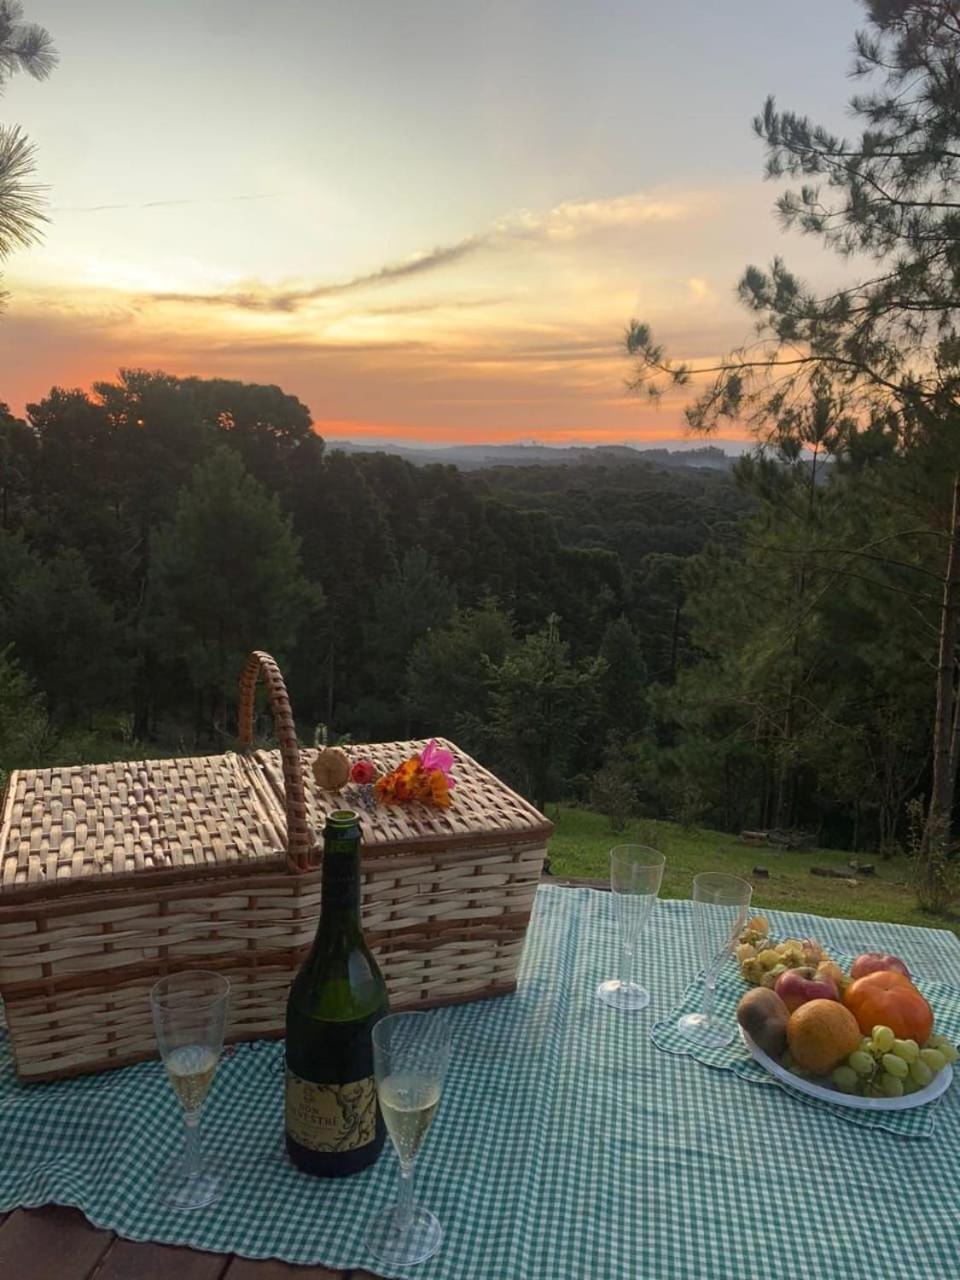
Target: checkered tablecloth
567	1146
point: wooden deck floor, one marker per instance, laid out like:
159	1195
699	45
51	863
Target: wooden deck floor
55	1243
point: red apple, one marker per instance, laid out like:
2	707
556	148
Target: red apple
797	986
877	962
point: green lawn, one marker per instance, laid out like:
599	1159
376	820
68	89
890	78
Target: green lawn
582	840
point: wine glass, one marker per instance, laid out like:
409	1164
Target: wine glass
635	875
720	904
189	1016
410	1056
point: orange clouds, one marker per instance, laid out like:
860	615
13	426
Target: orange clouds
512	332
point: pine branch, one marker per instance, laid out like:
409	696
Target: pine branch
21	201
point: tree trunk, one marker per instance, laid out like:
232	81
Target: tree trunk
936	833
330	684
675	642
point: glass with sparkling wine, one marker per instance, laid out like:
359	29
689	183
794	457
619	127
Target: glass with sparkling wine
410	1056
720	904
189	1016
635	875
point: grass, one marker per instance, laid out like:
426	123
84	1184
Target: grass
582	840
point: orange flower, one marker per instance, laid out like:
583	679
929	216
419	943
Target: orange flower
439	790
410	781
399	785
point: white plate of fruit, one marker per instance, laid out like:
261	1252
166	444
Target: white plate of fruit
862	1039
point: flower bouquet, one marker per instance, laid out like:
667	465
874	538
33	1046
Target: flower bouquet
425	777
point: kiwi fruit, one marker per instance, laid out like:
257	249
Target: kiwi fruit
764	1017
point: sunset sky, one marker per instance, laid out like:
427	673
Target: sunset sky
429	219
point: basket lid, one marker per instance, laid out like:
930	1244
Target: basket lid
483	809
90	827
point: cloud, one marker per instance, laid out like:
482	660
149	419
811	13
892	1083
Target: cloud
260	298
155	204
554	382
574	220
564	223
441	304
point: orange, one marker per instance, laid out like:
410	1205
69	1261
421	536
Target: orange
821	1034
890	1000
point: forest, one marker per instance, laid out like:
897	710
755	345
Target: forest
154	531
734	651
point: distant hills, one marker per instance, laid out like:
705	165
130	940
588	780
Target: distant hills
471	457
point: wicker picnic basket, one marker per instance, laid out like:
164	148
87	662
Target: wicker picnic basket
113	875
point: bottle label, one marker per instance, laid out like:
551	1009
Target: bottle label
331	1117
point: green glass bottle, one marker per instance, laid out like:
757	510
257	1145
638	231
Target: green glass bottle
333	1122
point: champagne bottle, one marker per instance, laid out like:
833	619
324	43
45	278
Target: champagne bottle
333	1123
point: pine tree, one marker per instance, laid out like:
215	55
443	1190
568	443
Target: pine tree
622	685
542	705
450	674
18	464
64	631
225	579
24	729
888	344
23	47
405	606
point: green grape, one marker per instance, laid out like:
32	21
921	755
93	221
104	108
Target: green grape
861	1062
883	1038
908	1050
934	1059
891	1086
895	1066
846	1079
871	1047
910	1085
948	1050
921	1073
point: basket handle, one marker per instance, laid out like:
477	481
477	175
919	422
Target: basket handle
299	841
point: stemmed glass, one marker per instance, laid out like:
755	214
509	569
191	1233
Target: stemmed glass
635	875
189	1016
410	1056
720	904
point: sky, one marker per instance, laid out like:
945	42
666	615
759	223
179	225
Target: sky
431	220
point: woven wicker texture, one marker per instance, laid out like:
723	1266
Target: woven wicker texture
135	816
76	981
113	875
75	972
212	812
259	665
482	807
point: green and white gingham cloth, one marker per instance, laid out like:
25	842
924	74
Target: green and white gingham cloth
918	1122
567	1145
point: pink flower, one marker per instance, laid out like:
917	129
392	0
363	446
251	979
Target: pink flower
434	757
363	771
